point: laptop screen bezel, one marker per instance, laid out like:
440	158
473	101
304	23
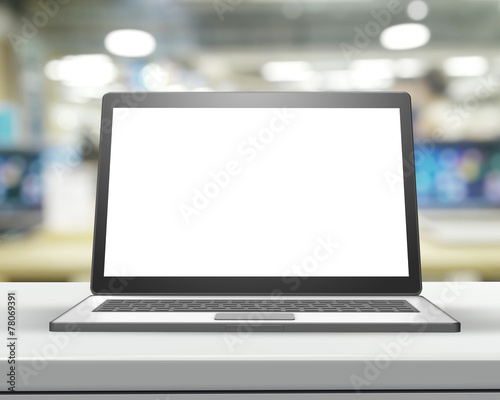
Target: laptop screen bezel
164	285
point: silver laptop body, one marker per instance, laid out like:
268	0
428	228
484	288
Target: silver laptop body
275	212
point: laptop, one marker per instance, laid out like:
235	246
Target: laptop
458	190
261	211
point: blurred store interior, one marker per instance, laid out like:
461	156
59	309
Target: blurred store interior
58	57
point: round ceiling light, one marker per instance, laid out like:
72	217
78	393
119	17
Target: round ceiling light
405	36
130	43
417	10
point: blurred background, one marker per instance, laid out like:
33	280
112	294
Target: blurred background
58	57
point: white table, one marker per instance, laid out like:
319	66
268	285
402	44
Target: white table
328	365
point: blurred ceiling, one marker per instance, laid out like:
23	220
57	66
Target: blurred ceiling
184	28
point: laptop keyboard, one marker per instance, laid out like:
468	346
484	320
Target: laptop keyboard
235	305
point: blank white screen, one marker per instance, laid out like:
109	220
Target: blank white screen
296	177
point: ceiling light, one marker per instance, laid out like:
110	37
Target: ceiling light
338	79
377	68
51	70
410	68
90	70
405	36
417	10
286	71
130	43
371	74
465	66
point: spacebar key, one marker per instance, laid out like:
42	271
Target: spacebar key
254	316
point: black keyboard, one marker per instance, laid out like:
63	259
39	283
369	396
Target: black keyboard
235	305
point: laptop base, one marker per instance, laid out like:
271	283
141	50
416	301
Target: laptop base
83	317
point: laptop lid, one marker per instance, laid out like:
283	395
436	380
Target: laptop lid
256	193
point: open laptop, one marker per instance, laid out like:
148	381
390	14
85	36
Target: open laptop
458	190
276	212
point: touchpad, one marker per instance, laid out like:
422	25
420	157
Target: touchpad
254	316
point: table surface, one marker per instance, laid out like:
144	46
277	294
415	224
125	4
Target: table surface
253	361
